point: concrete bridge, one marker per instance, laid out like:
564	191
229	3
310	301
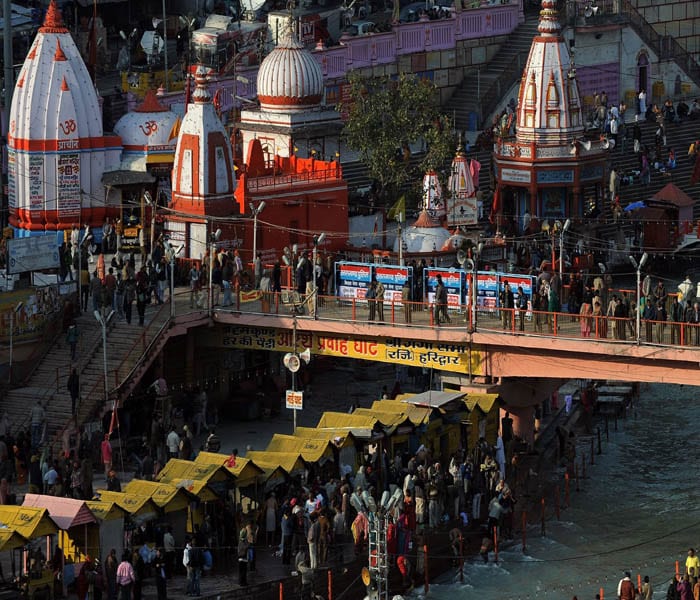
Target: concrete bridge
485	347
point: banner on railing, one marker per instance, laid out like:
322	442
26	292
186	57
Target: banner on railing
353	279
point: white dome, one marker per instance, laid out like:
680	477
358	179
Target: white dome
425	235
148	128
289	78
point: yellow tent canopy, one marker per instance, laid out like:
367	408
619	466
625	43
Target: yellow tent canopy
347	421
10	539
199	471
134	504
291	462
311	450
418	415
244	469
28	521
386	419
166	496
198	487
105	510
340	438
485	402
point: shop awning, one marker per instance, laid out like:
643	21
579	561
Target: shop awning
245	470
65	512
418	415
176	468
105	511
138	506
291	462
485	402
166	496
197	487
348	421
10	539
339	438
123	177
311	450
387	420
28	521
433	398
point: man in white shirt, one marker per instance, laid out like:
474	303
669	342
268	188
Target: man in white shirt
173	443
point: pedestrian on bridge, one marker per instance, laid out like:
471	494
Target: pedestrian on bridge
72	338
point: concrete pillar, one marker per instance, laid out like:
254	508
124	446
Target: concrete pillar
523	422
189	363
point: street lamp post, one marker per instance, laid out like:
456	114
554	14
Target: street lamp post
13	312
399	219
475	277
149	200
212	249
638	267
173	254
256	211
318	239
103	324
566	226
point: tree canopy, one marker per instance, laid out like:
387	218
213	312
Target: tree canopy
384	116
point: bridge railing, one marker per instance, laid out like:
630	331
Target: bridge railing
394	312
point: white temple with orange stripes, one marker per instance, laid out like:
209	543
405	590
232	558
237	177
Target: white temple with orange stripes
57	151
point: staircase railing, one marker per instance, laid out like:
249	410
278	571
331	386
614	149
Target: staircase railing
146	354
665	46
97	393
505	80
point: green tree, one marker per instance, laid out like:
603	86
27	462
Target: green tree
383	116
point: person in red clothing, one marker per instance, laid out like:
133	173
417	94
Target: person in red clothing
625	589
106	452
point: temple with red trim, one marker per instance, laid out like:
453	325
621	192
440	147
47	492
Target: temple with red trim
57	151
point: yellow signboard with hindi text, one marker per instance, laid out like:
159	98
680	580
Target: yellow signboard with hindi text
453	357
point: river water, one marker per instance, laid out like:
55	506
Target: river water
637	510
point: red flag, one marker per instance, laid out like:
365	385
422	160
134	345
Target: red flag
114	422
496	206
695	177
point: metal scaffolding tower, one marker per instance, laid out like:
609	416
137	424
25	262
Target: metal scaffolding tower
378	588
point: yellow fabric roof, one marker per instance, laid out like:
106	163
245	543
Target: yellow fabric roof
347	421
166	496
485	402
245	470
10	539
105	510
248	471
339	438
311	450
28	521
176	468
289	461
198	487
134	504
387	419
418	415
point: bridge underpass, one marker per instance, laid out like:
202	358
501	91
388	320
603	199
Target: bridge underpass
482	356
486	356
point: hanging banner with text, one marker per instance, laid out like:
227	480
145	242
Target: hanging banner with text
434	355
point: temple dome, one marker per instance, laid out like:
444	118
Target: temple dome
149	126
289	78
